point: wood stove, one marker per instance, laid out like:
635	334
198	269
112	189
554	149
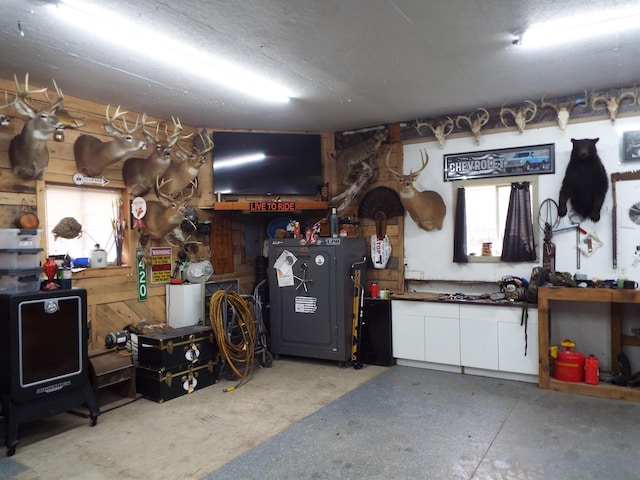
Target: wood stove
43	357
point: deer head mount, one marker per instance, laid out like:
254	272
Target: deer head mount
139	174
612	104
183	171
563	112
5	119
163	216
440	131
521	116
28	150
476	121
426	208
93	155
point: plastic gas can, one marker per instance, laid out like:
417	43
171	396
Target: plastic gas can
591	370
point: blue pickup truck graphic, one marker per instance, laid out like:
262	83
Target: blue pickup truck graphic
527	160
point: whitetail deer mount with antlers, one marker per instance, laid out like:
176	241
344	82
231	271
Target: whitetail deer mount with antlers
184	171
612	103
563	112
475	122
5	119
440	131
521	116
163	216
426	208
140	174
28	150
93	155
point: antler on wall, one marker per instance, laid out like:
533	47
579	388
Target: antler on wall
563	112
612	103
440	131
475	122
521	116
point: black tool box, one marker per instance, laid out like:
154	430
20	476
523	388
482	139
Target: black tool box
176	362
162	384
177	346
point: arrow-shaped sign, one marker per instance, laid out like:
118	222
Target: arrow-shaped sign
80	179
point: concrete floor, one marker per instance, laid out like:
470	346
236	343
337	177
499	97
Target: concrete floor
306	419
184	438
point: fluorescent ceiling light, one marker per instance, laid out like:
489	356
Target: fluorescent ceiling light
238	160
581	26
119	30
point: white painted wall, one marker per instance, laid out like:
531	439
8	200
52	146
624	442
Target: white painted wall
429	254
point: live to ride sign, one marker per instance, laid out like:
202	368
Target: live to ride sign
272	206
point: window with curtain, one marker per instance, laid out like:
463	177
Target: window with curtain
482	207
92	208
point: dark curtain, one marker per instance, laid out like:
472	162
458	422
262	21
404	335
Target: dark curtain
460	229
518	244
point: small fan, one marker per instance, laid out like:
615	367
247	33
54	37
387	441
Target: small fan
380	204
634	213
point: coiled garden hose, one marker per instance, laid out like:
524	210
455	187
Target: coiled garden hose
242	351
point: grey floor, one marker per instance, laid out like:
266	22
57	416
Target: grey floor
309	420
417	424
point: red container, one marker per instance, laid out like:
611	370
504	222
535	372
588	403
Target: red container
373	290
569	365
591	370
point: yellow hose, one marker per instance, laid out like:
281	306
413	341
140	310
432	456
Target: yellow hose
242	352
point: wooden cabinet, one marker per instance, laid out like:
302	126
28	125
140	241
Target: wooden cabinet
547	296
478	338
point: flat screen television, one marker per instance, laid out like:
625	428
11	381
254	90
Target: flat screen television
248	163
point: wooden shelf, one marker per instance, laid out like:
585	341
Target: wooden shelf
272	207
546	297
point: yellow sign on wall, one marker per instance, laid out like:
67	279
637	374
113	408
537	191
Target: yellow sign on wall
160	264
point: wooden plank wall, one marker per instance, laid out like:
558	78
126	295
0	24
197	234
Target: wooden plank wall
112	292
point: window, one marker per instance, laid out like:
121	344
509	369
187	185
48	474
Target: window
487	202
92	208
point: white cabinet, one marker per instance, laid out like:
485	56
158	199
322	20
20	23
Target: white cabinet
511	354
475	336
441	333
426	331
478	337
407	334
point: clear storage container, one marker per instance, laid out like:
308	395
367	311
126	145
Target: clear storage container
20	280
11	258
19	238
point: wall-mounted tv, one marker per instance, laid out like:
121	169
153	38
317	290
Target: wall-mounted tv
248	163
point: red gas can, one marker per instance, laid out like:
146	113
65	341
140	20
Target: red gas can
591	370
569	364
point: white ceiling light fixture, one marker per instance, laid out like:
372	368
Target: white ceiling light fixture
580	27
118	29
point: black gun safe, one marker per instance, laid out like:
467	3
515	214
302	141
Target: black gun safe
313	315
43	358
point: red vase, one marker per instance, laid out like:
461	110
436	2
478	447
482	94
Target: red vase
50	270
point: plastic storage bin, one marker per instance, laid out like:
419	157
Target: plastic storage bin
12	258
20	280
19	238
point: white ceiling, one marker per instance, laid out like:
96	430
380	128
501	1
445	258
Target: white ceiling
349	63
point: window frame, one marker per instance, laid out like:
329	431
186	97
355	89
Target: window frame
126	256
502	181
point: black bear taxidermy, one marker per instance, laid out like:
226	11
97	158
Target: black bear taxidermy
585	181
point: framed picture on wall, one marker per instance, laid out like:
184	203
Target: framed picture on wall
531	160
630	146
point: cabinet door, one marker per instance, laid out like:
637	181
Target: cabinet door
478	337
442	340
442	333
407	330
512	356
